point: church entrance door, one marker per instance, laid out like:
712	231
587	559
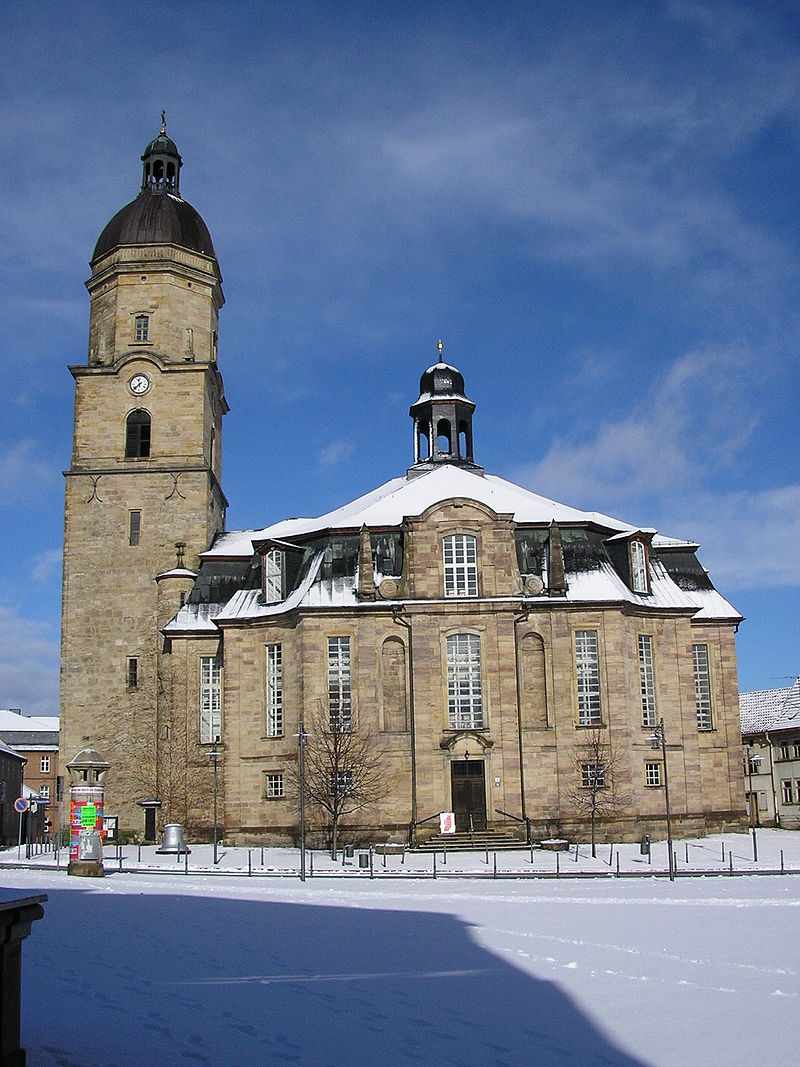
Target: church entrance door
468	779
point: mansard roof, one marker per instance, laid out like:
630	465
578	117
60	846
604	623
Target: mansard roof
678	582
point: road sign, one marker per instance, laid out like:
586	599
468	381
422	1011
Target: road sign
21	805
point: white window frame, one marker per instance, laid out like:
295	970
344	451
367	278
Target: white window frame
340	694
464	682
647	679
274	689
787	791
273	785
652	774
44	764
210	699
273	576
638	567
341	782
44	792
784	751
460	554
593	775
702	687
587	675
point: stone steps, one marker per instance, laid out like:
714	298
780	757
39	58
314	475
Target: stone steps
494	840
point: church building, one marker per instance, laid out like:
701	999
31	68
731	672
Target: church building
507	658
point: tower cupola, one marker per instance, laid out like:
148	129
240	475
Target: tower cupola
161	163
442	419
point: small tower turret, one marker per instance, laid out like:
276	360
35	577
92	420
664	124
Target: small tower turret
442	420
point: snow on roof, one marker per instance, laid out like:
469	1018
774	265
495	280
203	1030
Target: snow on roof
405	497
13	721
193	618
770	709
7	751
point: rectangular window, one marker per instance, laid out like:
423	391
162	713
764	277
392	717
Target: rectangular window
587	666
134	527
273	576
132	673
274	691
593	776
341	782
44	792
787	793
339	694
652	774
647	680
702	686
796	752
464	682
638	567
44	765
784	751
460	565
273	785
141	327
210	699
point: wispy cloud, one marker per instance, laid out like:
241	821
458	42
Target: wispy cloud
22	468
335	452
29	656
46	565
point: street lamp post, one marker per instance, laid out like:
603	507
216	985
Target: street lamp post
215	755
302	736
659	740
753	761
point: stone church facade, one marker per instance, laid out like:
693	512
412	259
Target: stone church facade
502	651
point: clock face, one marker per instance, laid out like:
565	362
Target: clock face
139	384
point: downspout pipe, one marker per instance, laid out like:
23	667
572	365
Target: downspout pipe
523	617
397	618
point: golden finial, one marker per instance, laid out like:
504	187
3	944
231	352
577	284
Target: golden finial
440	346
163	122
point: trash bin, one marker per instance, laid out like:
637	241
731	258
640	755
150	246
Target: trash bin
363	859
644	847
348	852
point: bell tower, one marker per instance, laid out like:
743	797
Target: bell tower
442	420
145	474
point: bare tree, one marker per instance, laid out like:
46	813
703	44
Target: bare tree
595	790
343	769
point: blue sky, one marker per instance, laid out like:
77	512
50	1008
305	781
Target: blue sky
593	204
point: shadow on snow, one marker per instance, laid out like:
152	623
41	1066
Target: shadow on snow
128	979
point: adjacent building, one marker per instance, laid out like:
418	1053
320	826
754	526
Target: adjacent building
771	743
36	738
500	652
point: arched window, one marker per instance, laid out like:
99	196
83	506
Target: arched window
273	576
443	441
464	683
460	565
137	435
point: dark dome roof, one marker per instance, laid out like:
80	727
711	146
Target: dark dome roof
161	145
156	219
441	379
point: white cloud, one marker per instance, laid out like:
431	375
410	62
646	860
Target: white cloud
29	664
335	452
47	565
22	469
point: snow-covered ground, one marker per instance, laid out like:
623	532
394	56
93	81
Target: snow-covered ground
221	968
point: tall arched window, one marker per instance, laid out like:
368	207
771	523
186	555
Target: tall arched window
464	682
460	565
638	567
137	435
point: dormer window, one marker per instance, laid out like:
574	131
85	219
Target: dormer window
639	583
273	576
460	565
141	328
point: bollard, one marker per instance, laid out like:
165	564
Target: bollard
120	861
311	864
723	851
444	852
730	857
576	851
495	864
687	853
618	865
371	872
611	855
675	861
140	854
782	870
650	856
434	865
558	865
249	864
262	855
531	851
403	855
185	861
384	853
487	855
